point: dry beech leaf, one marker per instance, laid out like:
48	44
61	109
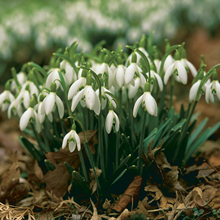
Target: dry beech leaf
95	215
124	215
93	183
57	180
10	179
131	192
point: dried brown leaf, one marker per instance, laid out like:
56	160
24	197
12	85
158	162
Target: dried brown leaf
131	192
95	215
10	179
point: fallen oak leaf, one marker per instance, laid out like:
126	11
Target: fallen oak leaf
131	192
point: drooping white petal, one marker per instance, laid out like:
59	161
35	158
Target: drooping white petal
168	62
109	121
2	97
33	88
97	105
65	139
38	128
49	103
150	104
193	90
53	74
89	97
181	72
26	99
129	73
137	105
60	106
119	75
50	117
24	120
72	146
168	73
217	87
208	94
11	97
41	117
159	81
75	86
191	68
132	90
78	144
76	99
157	64
117	124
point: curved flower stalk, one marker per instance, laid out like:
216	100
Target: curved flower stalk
29	116
88	98
70	74
73	140
52	100
147	101
6	97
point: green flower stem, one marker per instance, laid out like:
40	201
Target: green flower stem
39	68
106	150
171	91
46	143
14	74
83	166
187	112
130	107
141	145
37	138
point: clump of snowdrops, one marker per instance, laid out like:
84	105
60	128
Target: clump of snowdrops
122	96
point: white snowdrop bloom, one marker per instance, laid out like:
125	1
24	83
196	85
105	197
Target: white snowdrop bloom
31	86
157	64
6	98
88	98
193	91
105	97
177	68
129	60
53	75
105	70
212	89
119	76
72	138
132	90
148	103
24	98
168	62
130	72
111	119
51	100
157	78
15	108
81	82
189	65
70	74
29	116
22	78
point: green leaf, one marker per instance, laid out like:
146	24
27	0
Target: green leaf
195	134
202	138
27	145
119	176
81	182
119	169
179	125
69	168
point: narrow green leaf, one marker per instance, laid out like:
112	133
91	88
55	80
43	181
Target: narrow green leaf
119	176
69	168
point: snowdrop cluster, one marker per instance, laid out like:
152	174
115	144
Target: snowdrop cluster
107	85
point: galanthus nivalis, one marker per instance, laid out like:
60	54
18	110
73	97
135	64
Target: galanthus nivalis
6	97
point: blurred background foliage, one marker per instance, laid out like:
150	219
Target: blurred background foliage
32	30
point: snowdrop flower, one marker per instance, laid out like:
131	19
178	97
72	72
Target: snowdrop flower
106	71
70	74
24	97
212	89
16	108
189	65
29	116
179	70
155	76
157	64
148	102
194	89
131	70
32	87
119	76
72	138
53	75
21	79
81	82
168	62
88	98
105	97
51	101
133	89
111	119
6	97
